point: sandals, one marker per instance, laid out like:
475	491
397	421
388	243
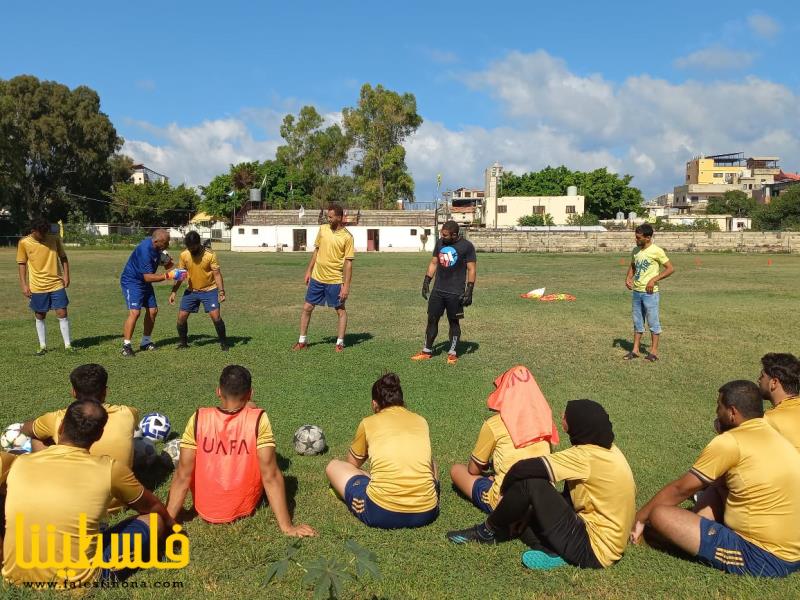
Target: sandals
630	356
651	357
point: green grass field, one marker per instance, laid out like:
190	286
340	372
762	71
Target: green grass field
719	316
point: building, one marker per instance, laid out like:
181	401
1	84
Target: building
502	212
142	174
372	230
773	190
709	176
464	205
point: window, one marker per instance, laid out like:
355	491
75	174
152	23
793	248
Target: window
538	210
427	232
255	231
719	175
413	232
570	210
241	230
695	198
467	195
501	208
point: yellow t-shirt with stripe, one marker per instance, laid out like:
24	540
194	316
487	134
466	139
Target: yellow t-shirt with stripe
53	488
603	493
43	260
264	437
333	248
762	474
494	444
397	443
785	419
200	276
647	263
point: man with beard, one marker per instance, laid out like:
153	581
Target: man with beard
747	520
453	263
204	286
779	383
642	278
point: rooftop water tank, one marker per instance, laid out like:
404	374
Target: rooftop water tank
572	190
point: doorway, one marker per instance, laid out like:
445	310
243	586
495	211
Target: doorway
299	240
373	240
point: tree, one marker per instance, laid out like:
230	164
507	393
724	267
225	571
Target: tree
120	167
378	126
732	202
53	142
606	193
153	204
782	213
536	220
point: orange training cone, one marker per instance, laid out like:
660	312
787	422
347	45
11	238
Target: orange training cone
769	262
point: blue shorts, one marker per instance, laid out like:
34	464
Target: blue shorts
135	528
645	306
138	297
724	549
480	493
372	515
41	302
191	301
326	294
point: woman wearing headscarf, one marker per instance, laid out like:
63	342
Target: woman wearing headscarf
587	526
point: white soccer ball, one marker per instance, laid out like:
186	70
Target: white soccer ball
155	426
309	440
14	441
144	452
172	449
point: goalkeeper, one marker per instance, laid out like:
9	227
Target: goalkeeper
137	286
453	263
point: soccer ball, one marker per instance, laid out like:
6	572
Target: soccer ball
14	441
309	440
172	449
155	426
448	256
165	258
144	452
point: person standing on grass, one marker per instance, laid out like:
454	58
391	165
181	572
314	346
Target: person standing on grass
204	285
779	383
453	263
747	522
644	273
137	286
39	256
328	275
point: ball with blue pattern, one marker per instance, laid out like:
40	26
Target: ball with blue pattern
155	426
448	256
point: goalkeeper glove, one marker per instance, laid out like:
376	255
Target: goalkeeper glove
426	286
466	297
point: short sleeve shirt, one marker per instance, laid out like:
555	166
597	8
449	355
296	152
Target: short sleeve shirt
200	270
333	248
647	264
42	258
143	261
451	266
785	419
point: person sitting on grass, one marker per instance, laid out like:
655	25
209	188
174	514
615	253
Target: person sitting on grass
90	382
403	487
518	401
67	488
228	459
587	525
747	521
6	460
779	383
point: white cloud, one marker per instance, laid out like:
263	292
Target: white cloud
763	26
716	58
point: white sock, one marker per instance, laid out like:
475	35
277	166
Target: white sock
146	340
126	342
64	325
41	331
340	341
302	340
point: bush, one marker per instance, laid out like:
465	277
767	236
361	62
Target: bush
583	219
662	224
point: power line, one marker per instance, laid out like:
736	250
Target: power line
129	206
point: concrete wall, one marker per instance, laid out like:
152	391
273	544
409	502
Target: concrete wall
613	241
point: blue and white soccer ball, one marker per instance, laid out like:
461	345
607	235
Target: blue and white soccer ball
14	441
309	440
448	256
155	426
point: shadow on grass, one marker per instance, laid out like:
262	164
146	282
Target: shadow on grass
202	339
462	348
152	476
350	339
96	340
627	345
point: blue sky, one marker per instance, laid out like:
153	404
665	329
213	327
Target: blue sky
635	87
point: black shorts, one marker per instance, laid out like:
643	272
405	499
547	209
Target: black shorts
438	303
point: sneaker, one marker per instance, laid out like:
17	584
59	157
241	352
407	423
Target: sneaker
40	352
127	351
422	355
339	347
452	359
479	533
148	347
542	561
300	346
182	346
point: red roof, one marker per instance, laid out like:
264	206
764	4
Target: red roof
787	176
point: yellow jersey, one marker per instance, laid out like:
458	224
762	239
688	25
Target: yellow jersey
494	444
785	419
6	460
200	276
43	260
54	488
603	493
264	437
398	445
762	474
647	263
333	248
